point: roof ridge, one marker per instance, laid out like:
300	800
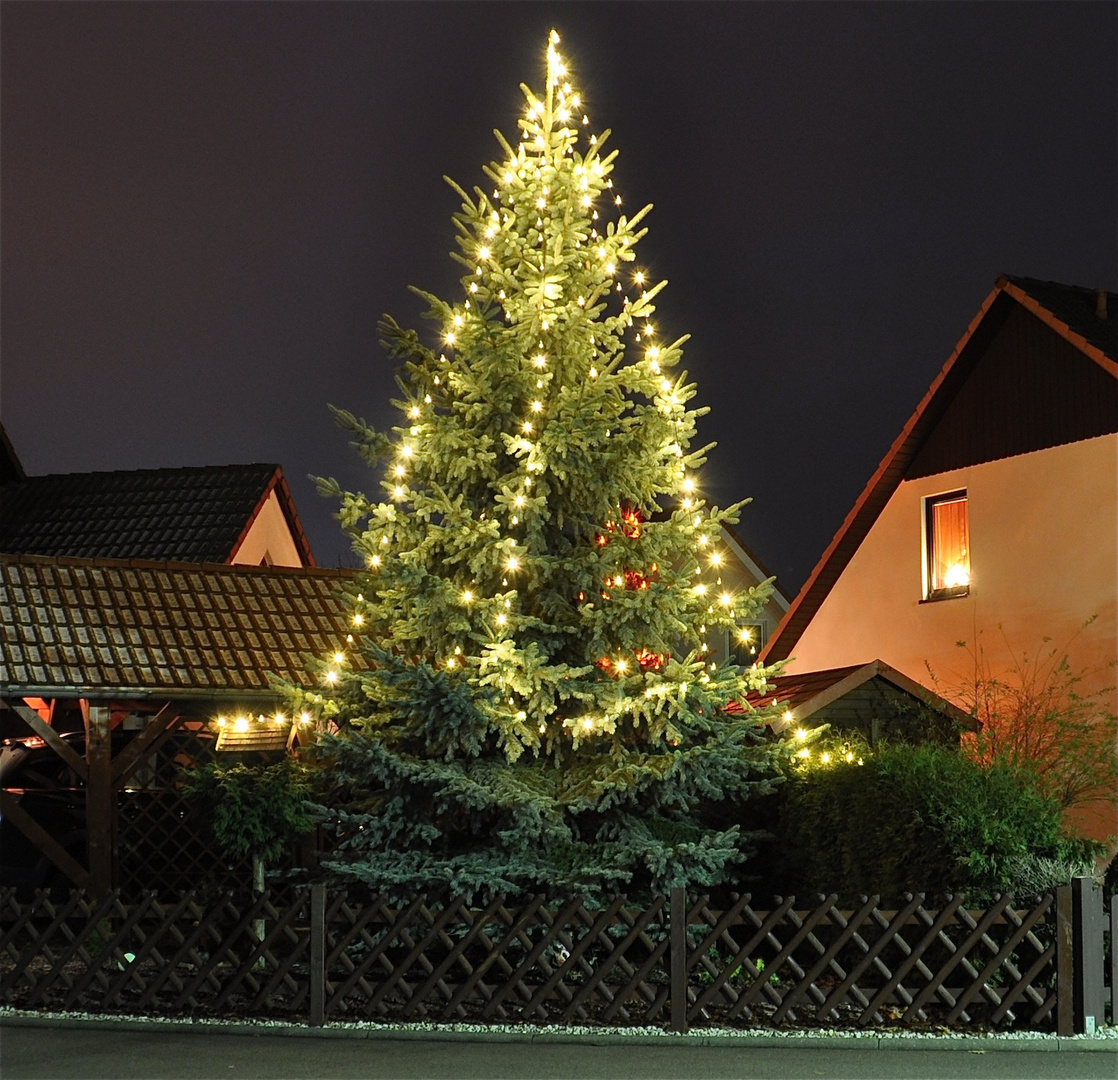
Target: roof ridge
166	565
157	469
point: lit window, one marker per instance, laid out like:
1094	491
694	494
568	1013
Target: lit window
946	546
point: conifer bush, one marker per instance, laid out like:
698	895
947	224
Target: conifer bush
525	701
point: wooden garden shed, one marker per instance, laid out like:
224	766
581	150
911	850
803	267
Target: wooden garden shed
127	658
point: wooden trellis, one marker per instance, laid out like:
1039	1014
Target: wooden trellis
348	955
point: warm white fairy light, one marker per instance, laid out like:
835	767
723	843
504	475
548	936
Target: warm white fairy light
537	406
513	563
716	558
467	596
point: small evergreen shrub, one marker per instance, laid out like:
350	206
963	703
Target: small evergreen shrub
922	819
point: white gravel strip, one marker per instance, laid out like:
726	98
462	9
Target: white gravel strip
1105	1038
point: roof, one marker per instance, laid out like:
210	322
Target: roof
753	564
805	694
1067	310
196	514
11	468
110	628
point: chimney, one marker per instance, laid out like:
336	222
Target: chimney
1100	303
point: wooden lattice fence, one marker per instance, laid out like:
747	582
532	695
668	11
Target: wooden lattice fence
333	954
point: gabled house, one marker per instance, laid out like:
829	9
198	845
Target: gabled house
135	607
740	569
993	519
235	514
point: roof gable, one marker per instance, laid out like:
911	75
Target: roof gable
11	468
114	628
185	514
1064	388
854	693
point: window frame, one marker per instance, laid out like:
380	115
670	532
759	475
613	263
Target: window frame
929	503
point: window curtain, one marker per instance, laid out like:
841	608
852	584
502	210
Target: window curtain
950	562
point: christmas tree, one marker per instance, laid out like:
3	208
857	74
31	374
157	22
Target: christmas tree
525	700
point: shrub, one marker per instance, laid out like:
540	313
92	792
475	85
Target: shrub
922	819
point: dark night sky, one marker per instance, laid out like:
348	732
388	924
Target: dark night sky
207	207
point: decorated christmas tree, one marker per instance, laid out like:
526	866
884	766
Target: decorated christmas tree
525	700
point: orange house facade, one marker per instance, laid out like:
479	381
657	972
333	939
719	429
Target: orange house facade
993	520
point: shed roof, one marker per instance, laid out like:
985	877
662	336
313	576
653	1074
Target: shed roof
804	695
195	514
1071	313
111	628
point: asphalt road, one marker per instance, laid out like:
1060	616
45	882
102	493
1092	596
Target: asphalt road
113	1054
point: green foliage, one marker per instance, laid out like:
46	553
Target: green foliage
251	810
526	702
922	818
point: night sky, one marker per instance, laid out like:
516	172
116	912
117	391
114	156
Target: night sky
207	207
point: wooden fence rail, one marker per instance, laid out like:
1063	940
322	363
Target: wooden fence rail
676	962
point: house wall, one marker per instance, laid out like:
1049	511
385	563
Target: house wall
268	535
1044	559
737	573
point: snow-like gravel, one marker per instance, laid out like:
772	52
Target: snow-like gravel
530	1032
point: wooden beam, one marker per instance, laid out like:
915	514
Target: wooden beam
59	745
51	848
100	805
132	756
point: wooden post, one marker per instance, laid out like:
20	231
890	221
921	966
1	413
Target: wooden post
317	963
1114	958
1065	963
1087	915
100	807
677	928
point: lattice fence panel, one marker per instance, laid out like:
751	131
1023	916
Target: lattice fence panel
149	956
919	965
538	962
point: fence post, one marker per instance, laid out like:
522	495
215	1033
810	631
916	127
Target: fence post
317	963
677	964
1087	915
1114	958
1065	963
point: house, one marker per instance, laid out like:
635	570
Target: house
739	569
137	606
235	514
993	519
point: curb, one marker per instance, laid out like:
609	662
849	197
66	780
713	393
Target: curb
582	1037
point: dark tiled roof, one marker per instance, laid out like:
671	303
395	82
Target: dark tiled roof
183	515
85	627
1095	338
10	467
1077	309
